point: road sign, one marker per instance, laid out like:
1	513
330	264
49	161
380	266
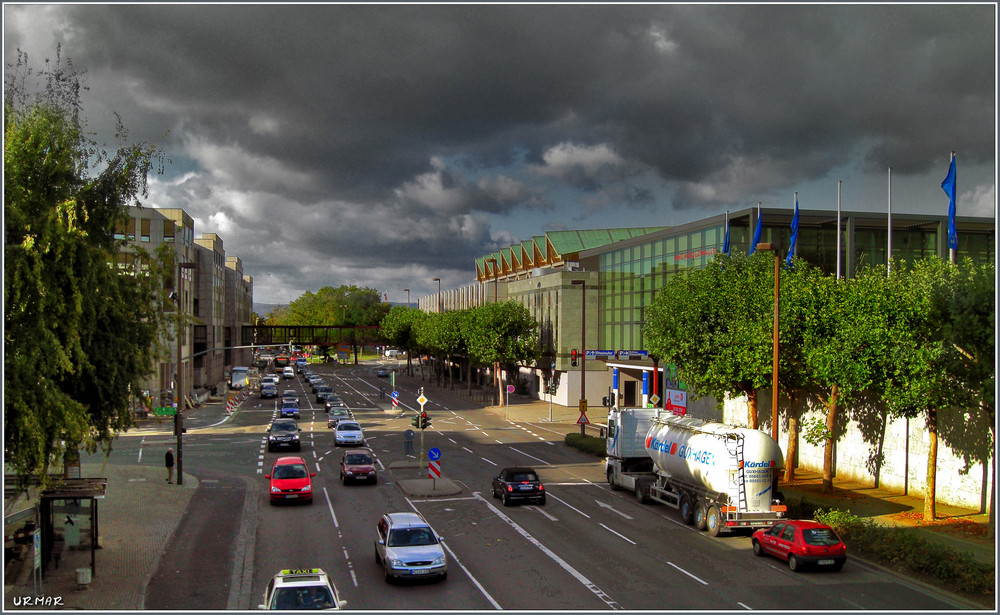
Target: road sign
422	400
395	394
434	454
654	399
433	469
165	411
583	420
510	388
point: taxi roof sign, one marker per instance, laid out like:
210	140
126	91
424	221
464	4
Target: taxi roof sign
303	571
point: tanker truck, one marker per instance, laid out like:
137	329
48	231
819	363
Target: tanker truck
720	478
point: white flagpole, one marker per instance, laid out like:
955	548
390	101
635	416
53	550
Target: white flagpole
888	251
839	182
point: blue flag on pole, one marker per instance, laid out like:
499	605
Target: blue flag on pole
725	242
795	233
756	233
949	185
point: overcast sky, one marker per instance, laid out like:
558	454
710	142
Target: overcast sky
387	145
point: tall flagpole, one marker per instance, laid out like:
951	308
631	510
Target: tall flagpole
888	256
839	182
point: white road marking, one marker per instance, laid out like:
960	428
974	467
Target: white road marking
612	509
487	460
687	573
564	503
616	533
532	456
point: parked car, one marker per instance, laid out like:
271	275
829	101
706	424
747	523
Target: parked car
268	391
348	432
289	409
801	544
518	484
307	589
290	479
283	433
407	547
337	415
358	464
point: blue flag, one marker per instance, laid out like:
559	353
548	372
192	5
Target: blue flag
795	233
949	185
756	234
725	242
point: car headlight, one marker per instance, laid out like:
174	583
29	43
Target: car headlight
295	436
349	473
307	488
275	490
438	561
396	563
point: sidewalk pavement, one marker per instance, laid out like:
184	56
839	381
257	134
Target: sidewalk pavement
136	520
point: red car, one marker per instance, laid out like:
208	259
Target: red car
801	544
358	464
290	480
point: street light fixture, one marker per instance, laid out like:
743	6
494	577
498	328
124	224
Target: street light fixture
770	247
438	280
583	350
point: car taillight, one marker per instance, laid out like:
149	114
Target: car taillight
541	487
510	488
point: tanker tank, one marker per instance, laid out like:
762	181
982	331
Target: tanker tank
704	454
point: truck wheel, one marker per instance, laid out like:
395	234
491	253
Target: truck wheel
686	509
611	481
641	492
699	516
714	520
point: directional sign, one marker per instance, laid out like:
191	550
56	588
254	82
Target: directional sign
434	454
395	394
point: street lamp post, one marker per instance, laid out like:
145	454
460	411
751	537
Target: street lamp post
179	417
583	350
768	247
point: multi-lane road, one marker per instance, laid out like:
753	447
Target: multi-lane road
587	548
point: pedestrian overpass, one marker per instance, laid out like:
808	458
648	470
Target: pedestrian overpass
308	335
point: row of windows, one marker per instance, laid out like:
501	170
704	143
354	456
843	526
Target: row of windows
168	230
631	277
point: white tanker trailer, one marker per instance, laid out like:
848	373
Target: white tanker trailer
719	477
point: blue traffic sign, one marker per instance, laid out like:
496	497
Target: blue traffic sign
395	394
434	454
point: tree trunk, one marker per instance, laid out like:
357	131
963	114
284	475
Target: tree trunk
498	382
930	508
752	409
831	422
793	439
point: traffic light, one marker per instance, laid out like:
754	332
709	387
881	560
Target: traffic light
425	421
415	421
573	361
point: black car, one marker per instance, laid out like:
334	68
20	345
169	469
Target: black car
334	401
322	391
382	373
518	484
283	433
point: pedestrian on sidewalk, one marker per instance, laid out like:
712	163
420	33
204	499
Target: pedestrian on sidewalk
169	460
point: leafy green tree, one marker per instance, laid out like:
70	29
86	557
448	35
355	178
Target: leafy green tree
81	315
501	334
399	330
361	309
715	324
441	335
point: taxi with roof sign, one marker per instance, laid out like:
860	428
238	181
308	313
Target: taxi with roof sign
301	590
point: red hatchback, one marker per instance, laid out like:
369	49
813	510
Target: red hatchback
801	543
290	480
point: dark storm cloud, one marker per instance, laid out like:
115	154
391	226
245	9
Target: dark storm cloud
335	130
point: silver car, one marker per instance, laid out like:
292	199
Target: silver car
348	433
407	547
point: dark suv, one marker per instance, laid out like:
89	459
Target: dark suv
518	484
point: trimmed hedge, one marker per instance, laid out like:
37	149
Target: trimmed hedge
597	447
899	549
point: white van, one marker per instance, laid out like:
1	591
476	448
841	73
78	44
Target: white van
391	354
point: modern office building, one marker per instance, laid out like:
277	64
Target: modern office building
213	294
594	297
